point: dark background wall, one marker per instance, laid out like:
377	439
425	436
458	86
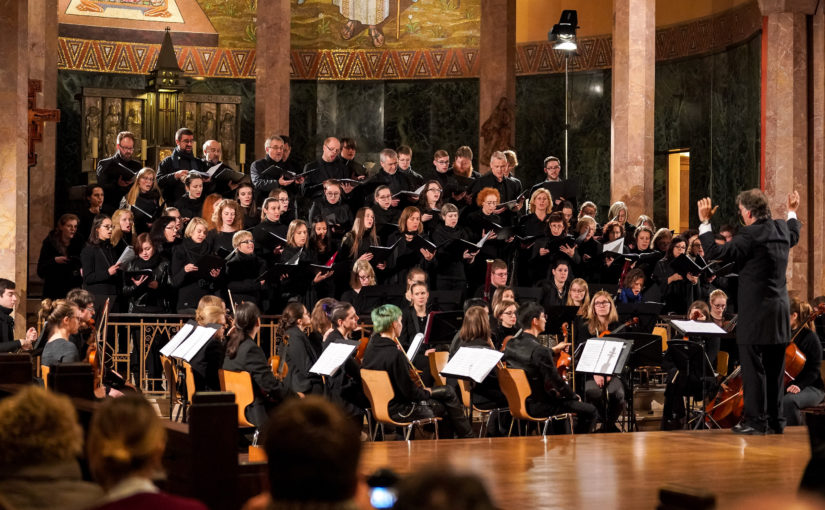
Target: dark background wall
708	105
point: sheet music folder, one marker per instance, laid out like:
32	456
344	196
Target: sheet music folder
698	328
330	361
604	356
474	363
179	337
194	343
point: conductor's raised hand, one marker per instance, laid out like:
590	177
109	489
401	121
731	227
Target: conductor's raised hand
793	201
705	209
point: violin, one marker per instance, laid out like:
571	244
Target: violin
414	375
634	321
564	362
362	343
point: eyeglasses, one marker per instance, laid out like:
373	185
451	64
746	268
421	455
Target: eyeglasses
509	312
490	202
107	227
501	274
330	194
601	303
283	200
332	149
719	306
442	161
246	241
171	226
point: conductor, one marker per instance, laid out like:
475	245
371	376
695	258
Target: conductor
760	251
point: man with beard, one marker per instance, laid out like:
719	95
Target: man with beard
117	173
174	168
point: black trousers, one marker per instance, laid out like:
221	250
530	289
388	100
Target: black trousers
442	403
763	368
615	399
585	413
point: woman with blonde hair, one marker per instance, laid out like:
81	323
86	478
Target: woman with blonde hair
579	295
505	313
122	227
211	312
144	199
362	275
192	282
62	319
125	452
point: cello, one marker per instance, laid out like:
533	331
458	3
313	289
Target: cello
727	407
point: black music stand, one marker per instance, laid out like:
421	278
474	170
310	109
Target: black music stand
646	352
690	358
648	314
443	326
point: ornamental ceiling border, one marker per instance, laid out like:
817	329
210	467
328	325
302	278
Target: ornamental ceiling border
697	37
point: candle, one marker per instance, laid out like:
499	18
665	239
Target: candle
242	154
95	142
143	148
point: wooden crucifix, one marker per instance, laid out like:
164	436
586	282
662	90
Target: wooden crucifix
37	117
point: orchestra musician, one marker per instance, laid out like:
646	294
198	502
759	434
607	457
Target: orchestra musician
807	389
411	401
760	250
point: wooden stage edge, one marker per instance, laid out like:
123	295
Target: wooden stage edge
610	471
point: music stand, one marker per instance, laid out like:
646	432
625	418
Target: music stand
372	296
648	314
442	327
690	358
445	299
645	352
524	294
606	356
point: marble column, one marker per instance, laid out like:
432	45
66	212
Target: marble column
816	188
14	145
497	84
633	90
43	67
272	73
785	144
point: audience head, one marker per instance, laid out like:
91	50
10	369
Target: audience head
314	450
441	488
38	427
126	439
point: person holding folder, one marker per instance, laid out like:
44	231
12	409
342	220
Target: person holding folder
144	199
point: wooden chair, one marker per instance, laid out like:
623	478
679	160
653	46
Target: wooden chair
44	373
379	391
722	359
486	415
239	383
170	372
190	388
516	388
438	360
662	332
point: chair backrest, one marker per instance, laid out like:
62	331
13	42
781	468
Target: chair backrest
514	385
722	359
239	383
171	376
44	373
464	389
821	370
378	389
190	380
438	360
662	332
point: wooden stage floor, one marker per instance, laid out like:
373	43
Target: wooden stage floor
610	471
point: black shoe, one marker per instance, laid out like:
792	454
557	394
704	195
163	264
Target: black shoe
772	430
747	430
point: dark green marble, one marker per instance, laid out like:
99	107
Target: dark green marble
710	106
540	130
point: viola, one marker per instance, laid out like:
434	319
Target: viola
634	321
564	362
362	344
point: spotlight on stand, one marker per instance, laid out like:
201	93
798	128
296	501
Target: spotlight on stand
564	32
563	36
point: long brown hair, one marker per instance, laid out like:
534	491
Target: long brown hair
476	324
247	316
802	310
593	324
356	235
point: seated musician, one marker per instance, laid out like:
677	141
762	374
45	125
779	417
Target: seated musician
550	395
301	354
807	389
211	311
244	355
414	318
678	385
579	295
601	316
345	386
505	326
411	401
475	332
63	320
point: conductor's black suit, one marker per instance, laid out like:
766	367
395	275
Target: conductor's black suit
760	252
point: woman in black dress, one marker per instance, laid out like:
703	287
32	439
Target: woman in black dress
164	235
300	284
430	205
191	204
94	197
59	262
245	196
148	284
100	271
301	354
228	219
244	269
122	226
191	282
406	254
452	256
670	287
144	199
